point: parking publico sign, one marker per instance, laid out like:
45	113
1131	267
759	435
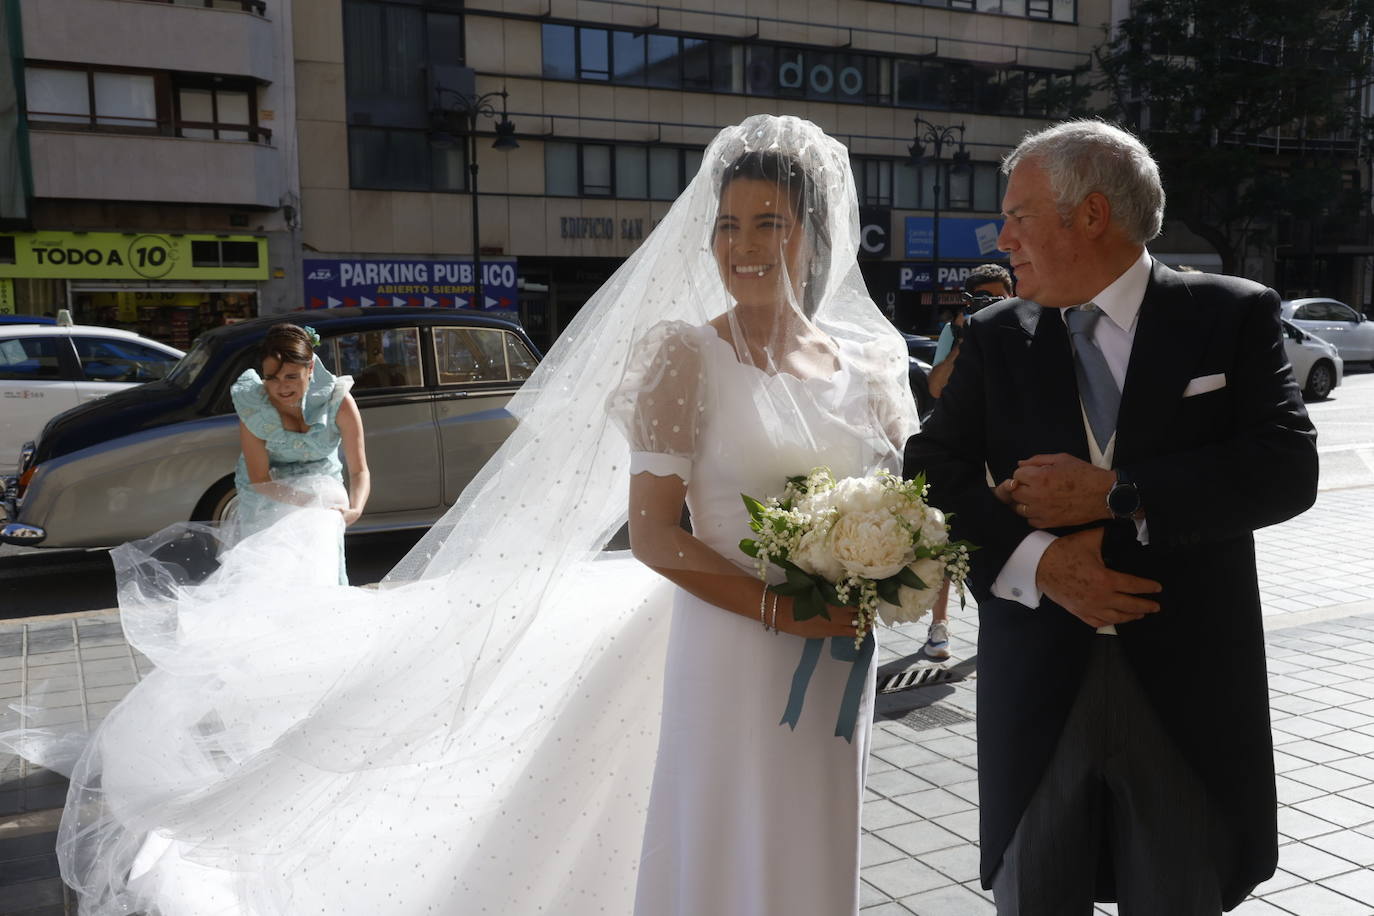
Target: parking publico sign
340	283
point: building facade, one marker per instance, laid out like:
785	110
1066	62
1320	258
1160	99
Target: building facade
162	193
613	103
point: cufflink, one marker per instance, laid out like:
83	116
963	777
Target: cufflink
1016	593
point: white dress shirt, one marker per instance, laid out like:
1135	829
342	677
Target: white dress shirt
1120	304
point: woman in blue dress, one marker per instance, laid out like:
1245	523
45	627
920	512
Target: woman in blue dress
293	417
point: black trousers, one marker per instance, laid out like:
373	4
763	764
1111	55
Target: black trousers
1117	798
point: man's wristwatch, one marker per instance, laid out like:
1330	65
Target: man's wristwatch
1123	499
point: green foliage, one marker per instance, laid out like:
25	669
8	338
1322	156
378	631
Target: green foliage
1252	107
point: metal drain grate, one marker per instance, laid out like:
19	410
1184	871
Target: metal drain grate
923	676
927	717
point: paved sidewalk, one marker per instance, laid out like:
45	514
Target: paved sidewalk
921	820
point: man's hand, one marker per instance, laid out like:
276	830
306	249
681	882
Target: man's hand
1072	574
1054	491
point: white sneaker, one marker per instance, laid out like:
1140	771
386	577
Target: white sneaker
937	641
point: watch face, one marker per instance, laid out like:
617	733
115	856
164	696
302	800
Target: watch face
1123	500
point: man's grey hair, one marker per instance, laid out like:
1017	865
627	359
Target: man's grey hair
1089	155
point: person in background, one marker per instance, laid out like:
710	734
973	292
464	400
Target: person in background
986	284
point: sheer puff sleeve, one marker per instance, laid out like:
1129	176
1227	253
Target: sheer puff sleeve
661	400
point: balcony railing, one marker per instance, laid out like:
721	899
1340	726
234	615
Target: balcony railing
125	124
247	6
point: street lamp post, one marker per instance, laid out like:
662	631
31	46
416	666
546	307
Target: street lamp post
471	107
936	136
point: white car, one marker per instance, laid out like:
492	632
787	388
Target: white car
46	369
1317	364
1336	323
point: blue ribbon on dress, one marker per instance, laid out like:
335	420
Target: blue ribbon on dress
841	649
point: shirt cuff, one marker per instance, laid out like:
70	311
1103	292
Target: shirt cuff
1142	532
661	465
1016	581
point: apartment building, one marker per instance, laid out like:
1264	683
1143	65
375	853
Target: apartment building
609	105
150	172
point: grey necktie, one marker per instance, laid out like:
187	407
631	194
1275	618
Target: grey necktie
1096	385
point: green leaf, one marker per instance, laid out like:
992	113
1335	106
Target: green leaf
809	604
750	547
791	588
755	507
889	590
910	579
829	592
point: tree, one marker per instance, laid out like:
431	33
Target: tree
1253	109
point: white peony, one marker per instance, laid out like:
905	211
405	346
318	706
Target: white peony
813	554
933	530
866	494
872	544
915	602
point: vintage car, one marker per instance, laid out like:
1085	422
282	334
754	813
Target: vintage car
432	386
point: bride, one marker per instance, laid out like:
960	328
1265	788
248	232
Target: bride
515	722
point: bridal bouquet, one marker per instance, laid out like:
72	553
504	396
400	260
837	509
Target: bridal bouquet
871	543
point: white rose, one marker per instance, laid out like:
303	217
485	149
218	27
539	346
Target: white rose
813	554
871	544
915	602
933	530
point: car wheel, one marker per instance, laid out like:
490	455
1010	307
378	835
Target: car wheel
219	504
1319	381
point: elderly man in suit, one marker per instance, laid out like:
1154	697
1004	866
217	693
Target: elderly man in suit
1139	425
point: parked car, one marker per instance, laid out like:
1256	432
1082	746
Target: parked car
27	319
1336	323
48	368
1317	365
432	386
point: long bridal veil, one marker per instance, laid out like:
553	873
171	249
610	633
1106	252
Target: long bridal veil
477	735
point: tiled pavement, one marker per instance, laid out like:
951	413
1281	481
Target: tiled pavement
920	843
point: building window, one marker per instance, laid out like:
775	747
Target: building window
216	111
94	99
899	183
391	159
633	172
656	60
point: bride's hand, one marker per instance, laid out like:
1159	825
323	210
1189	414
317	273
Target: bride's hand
841	622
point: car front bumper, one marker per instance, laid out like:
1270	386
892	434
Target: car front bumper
13	531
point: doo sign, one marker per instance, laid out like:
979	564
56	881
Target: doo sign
807	72
419	284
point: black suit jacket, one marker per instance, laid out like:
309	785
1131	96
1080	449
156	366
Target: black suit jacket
1211	468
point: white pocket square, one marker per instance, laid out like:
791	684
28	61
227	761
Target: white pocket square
1205	383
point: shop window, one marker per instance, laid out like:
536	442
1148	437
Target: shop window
375	359
218	253
7	255
29	359
110	360
95	99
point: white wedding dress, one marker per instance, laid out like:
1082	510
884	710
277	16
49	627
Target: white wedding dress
516	723
194	791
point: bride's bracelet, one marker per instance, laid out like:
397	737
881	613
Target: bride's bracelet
763	606
773	620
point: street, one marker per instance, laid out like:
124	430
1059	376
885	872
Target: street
36	582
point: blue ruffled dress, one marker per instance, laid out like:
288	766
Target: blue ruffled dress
310	459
